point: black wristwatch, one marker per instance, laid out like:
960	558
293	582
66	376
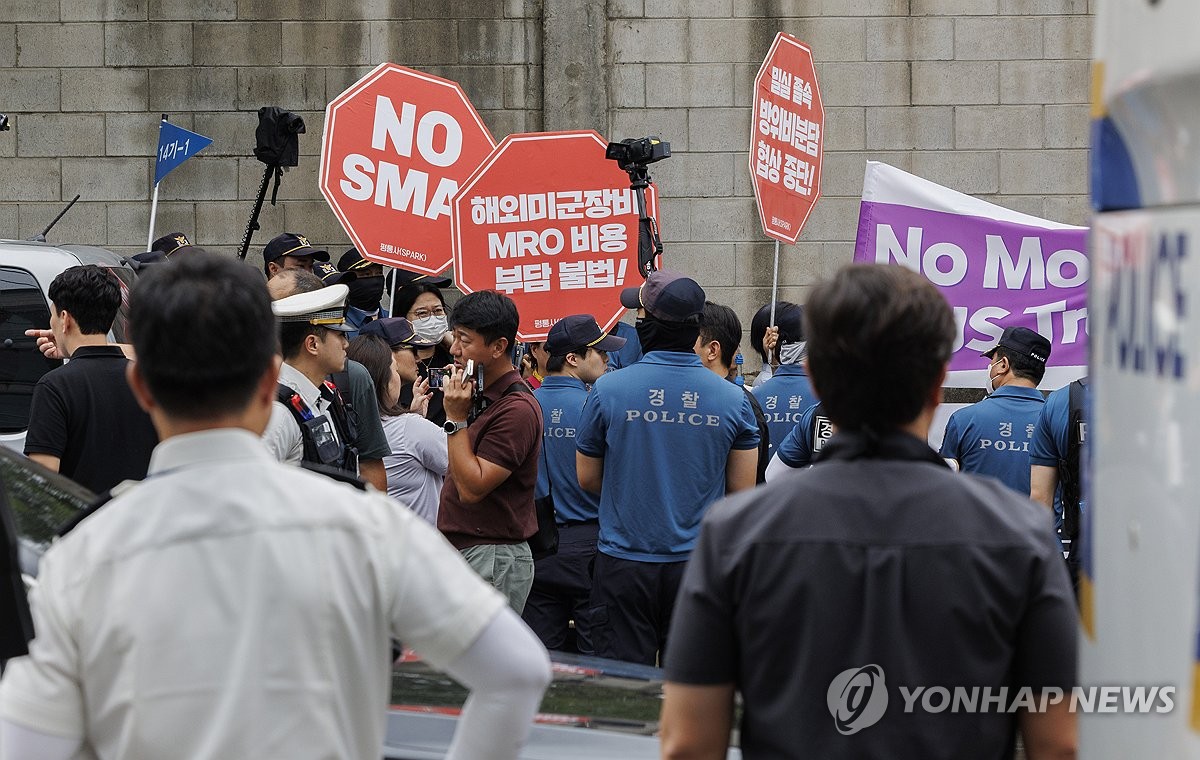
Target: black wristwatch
451	427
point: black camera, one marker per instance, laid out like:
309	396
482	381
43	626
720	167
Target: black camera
637	151
276	138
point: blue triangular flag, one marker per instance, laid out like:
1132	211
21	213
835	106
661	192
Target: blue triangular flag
175	145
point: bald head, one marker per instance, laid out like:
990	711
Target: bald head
289	282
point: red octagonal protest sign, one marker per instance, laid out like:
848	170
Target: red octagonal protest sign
787	136
552	223
397	145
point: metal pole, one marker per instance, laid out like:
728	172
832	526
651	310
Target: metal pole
774	294
153	214
392	294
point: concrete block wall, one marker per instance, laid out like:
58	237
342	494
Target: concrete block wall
85	82
986	96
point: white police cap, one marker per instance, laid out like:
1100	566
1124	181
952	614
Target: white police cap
325	307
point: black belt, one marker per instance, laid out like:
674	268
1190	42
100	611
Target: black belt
574	523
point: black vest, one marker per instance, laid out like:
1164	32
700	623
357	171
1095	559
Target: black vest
319	447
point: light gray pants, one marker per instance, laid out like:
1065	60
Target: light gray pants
508	567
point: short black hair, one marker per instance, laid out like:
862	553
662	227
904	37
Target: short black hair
292	334
873	321
556	363
491	314
762	320
408	295
1023	366
721	323
90	294
204	334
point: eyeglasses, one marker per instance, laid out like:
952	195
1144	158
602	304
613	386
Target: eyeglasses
427	313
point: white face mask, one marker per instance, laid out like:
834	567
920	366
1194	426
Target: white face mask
792	353
990	387
431	328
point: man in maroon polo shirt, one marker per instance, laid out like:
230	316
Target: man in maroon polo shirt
495	436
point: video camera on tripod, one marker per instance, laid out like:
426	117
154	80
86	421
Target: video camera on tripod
277	141
633	156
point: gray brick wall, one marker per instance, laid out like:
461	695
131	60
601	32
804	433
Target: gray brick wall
85	81
987	96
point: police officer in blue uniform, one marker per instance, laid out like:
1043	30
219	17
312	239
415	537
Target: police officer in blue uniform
801	445
659	441
992	437
786	395
577	355
366	290
630	352
1056	463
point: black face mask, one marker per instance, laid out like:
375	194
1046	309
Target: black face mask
365	293
656	335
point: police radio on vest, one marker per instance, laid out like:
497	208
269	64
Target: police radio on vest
382	183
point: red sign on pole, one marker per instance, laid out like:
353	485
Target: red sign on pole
551	222
787	137
397	145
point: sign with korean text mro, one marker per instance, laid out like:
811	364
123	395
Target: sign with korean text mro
787	137
996	267
397	145
549	221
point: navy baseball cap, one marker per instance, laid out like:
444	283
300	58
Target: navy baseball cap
175	242
1023	342
579	331
352	261
291	244
397	331
331	275
667	295
404	277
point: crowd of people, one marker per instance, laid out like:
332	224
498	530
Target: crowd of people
289	454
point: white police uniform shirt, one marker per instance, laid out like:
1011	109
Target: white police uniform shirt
250	619
282	436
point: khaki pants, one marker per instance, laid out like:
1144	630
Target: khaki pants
508	567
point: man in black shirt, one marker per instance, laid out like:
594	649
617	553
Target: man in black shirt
83	419
825	594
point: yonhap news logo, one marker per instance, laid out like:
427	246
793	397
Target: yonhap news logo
858	698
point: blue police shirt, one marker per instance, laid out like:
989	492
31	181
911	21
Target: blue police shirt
630	352
562	398
357	318
784	398
664	427
802	443
1052	439
992	437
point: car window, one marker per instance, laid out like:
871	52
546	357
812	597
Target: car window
587	692
22	307
41	502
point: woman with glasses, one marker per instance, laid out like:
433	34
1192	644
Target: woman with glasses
424	305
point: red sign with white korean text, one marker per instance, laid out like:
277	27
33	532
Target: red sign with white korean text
787	137
552	223
397	145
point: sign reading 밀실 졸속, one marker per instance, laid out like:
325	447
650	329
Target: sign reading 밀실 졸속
786	138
